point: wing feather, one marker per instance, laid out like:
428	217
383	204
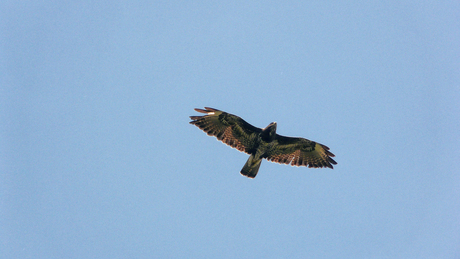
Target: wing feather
300	152
228	128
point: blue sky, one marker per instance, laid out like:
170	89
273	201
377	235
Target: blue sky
98	160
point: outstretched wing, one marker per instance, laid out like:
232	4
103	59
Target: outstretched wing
228	128
300	152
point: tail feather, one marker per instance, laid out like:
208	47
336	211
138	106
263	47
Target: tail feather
251	168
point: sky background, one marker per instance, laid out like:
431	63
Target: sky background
98	159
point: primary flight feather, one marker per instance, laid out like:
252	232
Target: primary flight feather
261	143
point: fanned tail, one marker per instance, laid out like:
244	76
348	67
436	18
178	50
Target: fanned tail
251	168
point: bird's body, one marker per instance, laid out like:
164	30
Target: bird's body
261	143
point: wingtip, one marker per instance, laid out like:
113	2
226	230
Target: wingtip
206	110
211	109
200	110
332	161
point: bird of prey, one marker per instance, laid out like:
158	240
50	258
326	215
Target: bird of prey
261	143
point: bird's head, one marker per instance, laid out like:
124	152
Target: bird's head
269	132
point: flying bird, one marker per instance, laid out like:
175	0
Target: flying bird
261	143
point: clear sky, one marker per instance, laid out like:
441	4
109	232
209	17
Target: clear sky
98	159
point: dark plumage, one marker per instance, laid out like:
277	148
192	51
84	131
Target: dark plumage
261	143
